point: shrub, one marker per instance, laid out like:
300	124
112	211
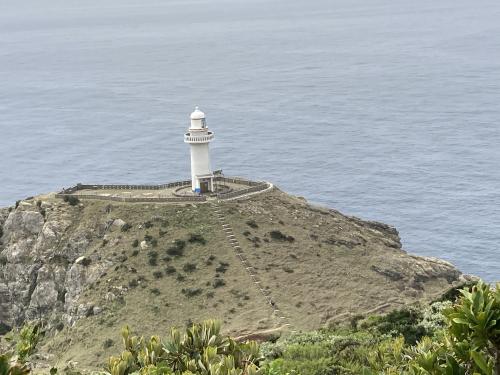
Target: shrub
108	343
252	224
71	200
153	258
217	283
170	270
177	249
148	238
155	291
135	243
3	260
197	349
180	277
191	292
135	253
148	224
189	267
222	268
133	283
405	322
197	238
158	274
209	260
10	366
247	233
277	235
126	227
29	337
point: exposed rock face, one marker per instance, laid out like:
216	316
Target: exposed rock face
38	277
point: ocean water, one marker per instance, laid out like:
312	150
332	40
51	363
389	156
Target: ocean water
384	110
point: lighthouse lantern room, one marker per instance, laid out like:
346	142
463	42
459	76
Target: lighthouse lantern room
198	137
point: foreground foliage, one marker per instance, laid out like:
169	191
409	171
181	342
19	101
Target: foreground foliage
445	338
460	337
200	349
10	366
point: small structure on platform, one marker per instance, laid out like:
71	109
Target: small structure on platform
198	137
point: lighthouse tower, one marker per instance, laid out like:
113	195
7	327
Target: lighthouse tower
198	136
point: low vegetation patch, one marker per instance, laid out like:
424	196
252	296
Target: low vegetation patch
153	258
197	238
217	283
252	224
189	267
278	236
177	249
222	267
169	270
71	200
126	227
191	292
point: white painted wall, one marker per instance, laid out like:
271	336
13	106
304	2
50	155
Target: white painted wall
200	162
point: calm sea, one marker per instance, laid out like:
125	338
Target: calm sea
384	110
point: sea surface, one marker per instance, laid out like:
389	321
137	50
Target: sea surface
384	110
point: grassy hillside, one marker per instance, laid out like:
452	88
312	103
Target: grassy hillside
152	266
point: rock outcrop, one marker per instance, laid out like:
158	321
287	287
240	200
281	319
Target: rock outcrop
39	275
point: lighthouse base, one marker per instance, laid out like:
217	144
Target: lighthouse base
203	184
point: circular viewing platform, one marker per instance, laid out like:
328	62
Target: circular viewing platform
226	188
199	138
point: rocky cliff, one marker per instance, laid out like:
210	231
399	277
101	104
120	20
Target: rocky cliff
87	269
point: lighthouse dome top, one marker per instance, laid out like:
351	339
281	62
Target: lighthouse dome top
197	114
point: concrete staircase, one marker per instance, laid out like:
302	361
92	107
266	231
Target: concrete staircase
283	320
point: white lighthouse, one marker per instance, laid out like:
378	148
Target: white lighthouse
198	136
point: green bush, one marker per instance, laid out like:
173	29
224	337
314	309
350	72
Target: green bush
135	243
10	366
191	292
404	322
153	258
199	349
278	236
217	283
196	238
189	267
126	227
108	343
29	337
222	267
177	249
71	200
252	224
169	270
158	274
